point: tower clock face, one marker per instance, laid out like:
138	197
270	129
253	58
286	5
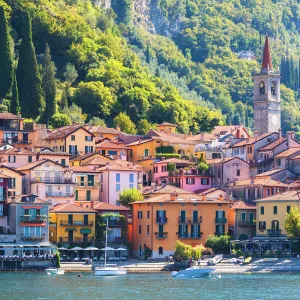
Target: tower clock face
275	120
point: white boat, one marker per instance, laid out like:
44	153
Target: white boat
193	272
55	271
109	269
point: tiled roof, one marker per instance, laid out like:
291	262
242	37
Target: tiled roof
181	198
273	145
17	151
268	173
54	153
155	134
296	157
37	163
12	169
243	205
9	116
205	137
141	141
83	169
111	145
213	161
295	184
224	160
96	161
212	190
71	208
252	140
40	143
64	132
259	181
110	207
101	129
288	195
119	165
173	160
23	199
288	152
165	190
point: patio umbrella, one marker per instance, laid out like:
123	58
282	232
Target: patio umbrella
63	248
121	249
91	248
107	249
76	248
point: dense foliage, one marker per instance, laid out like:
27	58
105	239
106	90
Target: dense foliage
219	244
292	223
186	252
128	196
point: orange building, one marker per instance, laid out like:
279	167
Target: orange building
159	221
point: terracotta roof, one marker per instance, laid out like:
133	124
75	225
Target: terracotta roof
295	184
167	124
288	152
165	190
71	208
243	205
226	130
288	195
26	199
101	129
17	151
84	156
40	143
268	173
64	132
273	145
181	198
119	165
52	153
259	181
172	160
12	169
224	160
111	145
83	169
213	161
110	207
212	190
204	137
99	161
156	134
296	157
142	141
252	140
37	163
9	116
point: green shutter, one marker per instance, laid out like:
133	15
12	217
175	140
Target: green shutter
85	230
71	229
88	195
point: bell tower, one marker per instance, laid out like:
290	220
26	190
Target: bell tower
267	111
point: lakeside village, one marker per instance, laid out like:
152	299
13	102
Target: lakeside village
57	188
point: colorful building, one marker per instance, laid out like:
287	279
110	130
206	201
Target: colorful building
113	150
14	180
72	224
159	221
86	159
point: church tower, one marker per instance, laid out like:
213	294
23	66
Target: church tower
267	111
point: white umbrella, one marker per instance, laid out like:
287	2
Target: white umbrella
77	248
121	249
107	249
63	248
91	248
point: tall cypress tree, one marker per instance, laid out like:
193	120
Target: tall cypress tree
49	87
6	60
148	55
28	76
14	103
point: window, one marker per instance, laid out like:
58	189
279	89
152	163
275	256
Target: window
131	186
86	219
118	187
62	148
256	193
251	218
131	178
249	150
164	168
182	216
195	216
118	177
288	209
29	158
73	149
246	194
216	155
140	214
148	214
219	174
275	210
243	216
88	195
88	149
112	152
70	219
161	251
72	137
12	159
90	180
262	225
88	138
146	152
26	231
11	183
81	180
148	229
190	180
1	210
238	172
269	192
262	88
63	162
273	88
205	181
155	170
140	229
278	162
262	210
38	231
76	195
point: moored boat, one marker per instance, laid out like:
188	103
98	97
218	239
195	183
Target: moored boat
55	271
110	270
194	272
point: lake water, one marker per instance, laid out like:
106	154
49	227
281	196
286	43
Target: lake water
39	285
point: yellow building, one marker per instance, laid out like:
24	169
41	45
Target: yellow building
101	132
72	224
15	180
167	127
271	213
88	158
75	140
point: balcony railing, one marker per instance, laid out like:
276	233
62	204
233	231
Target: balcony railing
274	232
112	223
189	235
33	238
161	220
76	240
84	198
54	180
219	233
37	219
221	220
76	223
114	239
16	141
59	194
161	235
183	220
246	223
197	220
88	185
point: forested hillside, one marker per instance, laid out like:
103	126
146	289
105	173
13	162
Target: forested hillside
138	62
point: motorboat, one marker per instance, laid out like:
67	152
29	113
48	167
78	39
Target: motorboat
55	271
110	270
215	260
193	272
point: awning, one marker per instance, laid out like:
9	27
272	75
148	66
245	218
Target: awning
70	229
85	230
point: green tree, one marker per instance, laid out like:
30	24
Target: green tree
143	126
292	223
49	86
6	60
28	76
123	9
148	55
70	73
59	120
128	196
125	123
187	252
75	114
219	244
94	121
14	103
64	98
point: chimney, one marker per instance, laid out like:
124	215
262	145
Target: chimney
221	197
203	197
155	188
238	133
92	204
202	137
255	134
173	196
279	133
290	137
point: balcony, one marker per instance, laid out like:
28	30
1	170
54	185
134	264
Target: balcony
161	220
84	198
76	223
57	180
183	221
76	240
116	223
88	185
28	126
16	141
273	232
27	219
59	194
246	223
221	220
115	239
161	235
196	221
33	238
189	235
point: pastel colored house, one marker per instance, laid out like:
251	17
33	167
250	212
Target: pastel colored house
76	140
156	190
72	224
159	221
282	160
101	132
242	219
50	180
29	219
4	206
113	150
86	159
14	181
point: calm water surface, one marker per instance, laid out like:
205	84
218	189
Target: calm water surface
38	285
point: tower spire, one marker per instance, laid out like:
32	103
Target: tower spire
267	59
